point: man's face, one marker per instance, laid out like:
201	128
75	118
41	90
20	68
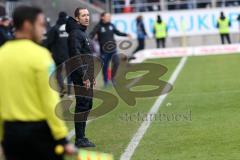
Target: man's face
38	28
6	23
107	18
83	18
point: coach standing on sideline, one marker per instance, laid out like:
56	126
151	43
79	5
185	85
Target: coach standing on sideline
79	45
31	129
105	32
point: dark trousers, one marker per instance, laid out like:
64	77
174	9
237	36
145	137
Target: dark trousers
29	141
107	58
60	79
161	42
83	106
141	45
225	36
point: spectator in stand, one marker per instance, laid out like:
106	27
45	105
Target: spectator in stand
154	5
204	4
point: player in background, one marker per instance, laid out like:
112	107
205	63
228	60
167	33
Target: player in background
105	32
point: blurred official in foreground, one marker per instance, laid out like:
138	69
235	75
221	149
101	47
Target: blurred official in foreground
31	129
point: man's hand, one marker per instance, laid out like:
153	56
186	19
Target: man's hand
69	149
87	84
129	36
94	82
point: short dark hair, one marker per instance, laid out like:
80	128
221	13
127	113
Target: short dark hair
77	11
3	19
25	13
103	14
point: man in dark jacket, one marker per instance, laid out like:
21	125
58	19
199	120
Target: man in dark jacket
5	31
83	77
105	32
58	45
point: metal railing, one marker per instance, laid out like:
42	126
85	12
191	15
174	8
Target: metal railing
118	6
11	5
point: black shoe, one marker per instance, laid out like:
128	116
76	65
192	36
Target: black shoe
131	58
62	93
84	143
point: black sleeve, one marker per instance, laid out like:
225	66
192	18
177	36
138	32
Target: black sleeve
52	36
75	45
62	141
4	37
94	31
117	32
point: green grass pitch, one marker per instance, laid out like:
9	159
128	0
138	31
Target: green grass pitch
208	89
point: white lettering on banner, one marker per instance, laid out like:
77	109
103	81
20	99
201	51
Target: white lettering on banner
195	22
172	52
188	51
217	49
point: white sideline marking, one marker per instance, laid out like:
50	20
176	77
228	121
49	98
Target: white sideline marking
133	82
128	152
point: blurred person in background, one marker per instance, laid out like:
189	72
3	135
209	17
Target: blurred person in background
5	30
83	77
141	35
58	45
105	32
154	5
223	26
30	129
238	19
160	32
48	23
